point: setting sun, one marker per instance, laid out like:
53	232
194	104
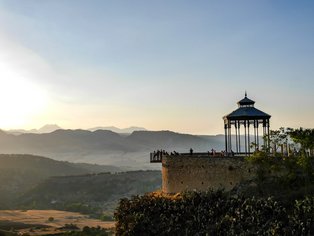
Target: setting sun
20	100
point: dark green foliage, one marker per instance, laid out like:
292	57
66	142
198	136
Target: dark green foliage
83	208
106	217
7	233
289	177
70	227
302	217
87	231
213	213
305	137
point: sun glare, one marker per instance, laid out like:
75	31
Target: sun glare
20	101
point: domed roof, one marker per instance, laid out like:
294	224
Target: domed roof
245	101
246	111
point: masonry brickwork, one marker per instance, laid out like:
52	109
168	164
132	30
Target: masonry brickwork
183	172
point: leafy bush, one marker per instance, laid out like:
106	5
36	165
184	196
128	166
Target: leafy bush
70	227
106	217
212	213
87	231
80	207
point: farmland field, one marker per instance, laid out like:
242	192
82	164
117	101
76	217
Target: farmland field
43	222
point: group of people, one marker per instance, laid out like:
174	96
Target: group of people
157	155
214	153
160	153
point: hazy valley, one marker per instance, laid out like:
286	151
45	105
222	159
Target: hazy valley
105	147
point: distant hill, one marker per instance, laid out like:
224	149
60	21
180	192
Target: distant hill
45	129
48	128
118	130
89	193
106	147
53	127
20	173
167	140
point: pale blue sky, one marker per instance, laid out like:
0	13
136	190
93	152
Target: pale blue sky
178	65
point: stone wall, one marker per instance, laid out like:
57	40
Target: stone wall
181	173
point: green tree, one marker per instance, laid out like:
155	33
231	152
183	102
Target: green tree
278	138
305	137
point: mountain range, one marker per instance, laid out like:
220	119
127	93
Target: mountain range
128	130
106	147
45	129
53	127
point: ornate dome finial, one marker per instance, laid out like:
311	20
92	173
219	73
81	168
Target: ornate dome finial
245	93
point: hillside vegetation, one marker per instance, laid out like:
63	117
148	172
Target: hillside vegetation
21	173
34	182
90	194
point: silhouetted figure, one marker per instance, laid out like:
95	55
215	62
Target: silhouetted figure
191	151
232	153
158	154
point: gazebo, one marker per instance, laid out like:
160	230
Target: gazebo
249	118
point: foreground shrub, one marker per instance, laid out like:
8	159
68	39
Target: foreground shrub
212	213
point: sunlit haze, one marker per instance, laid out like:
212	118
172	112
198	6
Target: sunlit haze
162	65
20	100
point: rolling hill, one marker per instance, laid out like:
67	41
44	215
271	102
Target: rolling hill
34	182
89	193
20	173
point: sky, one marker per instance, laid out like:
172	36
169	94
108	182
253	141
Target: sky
163	65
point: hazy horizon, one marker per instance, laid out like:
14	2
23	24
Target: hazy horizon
178	65
109	127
